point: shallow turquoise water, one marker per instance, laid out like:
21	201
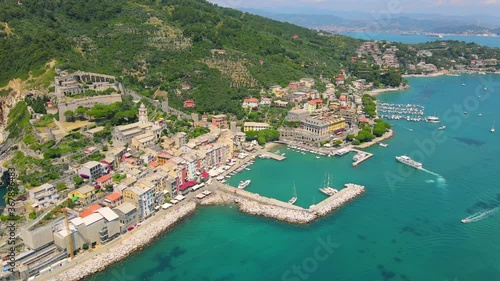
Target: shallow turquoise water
405	227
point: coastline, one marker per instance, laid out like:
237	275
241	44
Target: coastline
145	235
385	136
386	90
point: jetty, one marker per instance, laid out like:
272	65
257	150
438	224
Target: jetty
275	156
258	205
361	157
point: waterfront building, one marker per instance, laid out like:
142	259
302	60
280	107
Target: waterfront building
43	196
255	126
142	198
98	228
127	214
124	134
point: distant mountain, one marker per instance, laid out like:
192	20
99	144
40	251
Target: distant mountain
379	23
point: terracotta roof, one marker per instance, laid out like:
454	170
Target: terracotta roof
103	178
251	100
90	210
316	101
153	164
113	196
343	98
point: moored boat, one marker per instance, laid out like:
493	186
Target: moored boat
244	184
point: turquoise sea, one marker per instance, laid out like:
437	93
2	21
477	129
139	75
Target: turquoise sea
405	227
421	38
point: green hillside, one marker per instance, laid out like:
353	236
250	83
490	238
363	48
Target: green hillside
166	43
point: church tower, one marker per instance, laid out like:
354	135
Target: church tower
143	114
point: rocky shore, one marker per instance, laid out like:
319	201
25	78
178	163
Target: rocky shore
336	201
143	236
293	214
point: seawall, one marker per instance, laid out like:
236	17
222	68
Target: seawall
271	208
144	235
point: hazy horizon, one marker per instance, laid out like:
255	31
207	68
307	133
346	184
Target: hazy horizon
394	7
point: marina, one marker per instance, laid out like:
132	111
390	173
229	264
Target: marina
394	111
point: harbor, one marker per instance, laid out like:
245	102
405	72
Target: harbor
408	112
258	205
360	157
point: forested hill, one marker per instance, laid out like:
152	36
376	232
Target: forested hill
166	43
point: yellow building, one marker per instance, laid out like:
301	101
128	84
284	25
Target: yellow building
84	194
336	124
255	126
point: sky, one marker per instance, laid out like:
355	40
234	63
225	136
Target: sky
445	7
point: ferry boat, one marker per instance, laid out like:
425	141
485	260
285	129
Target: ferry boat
244	184
409	162
342	151
442	128
383	144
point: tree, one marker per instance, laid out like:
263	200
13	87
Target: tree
78	181
69	115
337	143
85	246
60	186
80	112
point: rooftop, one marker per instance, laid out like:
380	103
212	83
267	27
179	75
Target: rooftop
108	214
113	196
90	210
103	178
126	208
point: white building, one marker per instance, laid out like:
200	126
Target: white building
43	196
97	228
93	170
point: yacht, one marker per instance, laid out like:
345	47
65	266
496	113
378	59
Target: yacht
463	84
409	162
432	119
485	89
383	144
442	128
465	112
328	191
244	184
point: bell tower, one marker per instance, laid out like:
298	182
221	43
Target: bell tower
143	114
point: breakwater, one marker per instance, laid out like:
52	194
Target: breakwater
255	204
140	238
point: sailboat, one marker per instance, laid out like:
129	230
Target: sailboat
493	128
294	198
327	190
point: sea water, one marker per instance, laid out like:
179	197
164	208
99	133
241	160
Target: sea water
405	227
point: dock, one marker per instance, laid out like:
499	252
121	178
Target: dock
362	156
275	156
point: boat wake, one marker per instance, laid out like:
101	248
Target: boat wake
440	181
481	215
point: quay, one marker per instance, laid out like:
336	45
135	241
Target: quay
362	156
